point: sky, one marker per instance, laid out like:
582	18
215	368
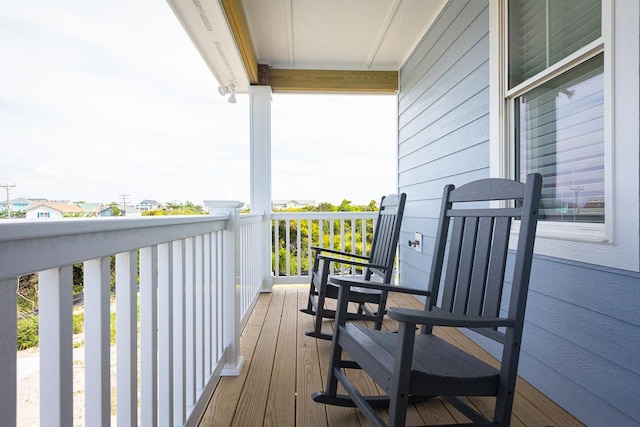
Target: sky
104	99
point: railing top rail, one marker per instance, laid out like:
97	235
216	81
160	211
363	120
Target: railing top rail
252	217
324	215
20	229
30	246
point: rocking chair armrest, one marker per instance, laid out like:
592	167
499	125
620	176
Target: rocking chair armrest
351	262
362	283
445	318
319	250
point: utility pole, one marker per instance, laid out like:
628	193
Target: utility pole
8	188
124	203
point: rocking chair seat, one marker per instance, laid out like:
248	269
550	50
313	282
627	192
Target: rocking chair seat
441	366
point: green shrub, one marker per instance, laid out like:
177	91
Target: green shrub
27	332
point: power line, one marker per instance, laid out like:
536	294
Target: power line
8	188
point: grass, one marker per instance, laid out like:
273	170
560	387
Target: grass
27	334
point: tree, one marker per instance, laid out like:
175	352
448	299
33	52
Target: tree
362	239
115	209
176	208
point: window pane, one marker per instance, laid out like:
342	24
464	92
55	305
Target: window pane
543	32
560	133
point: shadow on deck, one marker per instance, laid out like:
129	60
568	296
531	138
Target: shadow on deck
283	367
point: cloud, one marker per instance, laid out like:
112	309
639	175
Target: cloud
105	98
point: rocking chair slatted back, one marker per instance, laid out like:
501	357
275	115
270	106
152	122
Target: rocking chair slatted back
385	237
476	260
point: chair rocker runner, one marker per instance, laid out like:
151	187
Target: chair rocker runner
412	367
378	265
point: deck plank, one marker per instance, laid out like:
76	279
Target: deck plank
253	401
307	369
283	367
281	403
224	401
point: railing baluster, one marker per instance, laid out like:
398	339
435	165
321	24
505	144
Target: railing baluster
8	397
309	244
299	246
199	313
165	334
288	246
55	291
342	244
97	275
190	317
126	337
209	339
219	313
353	221
276	247
178	349
149	336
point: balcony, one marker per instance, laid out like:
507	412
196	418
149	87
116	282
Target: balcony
205	325
283	367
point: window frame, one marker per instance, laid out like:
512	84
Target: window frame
612	243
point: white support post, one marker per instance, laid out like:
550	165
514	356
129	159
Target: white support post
8	351
97	274
230	284
55	327
260	125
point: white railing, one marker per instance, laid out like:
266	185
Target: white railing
252	261
192	303
293	235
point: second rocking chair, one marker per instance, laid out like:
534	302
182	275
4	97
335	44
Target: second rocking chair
378	265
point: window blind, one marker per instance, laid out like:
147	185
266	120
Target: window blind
543	32
560	133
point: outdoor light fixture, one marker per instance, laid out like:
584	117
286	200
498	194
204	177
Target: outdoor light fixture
231	90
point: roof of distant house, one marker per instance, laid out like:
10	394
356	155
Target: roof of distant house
59	206
89	207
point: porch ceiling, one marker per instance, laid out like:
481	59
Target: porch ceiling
307	45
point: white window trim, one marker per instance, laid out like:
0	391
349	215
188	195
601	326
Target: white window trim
615	243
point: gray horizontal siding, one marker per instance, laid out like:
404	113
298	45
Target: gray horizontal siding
582	335
443	123
580	346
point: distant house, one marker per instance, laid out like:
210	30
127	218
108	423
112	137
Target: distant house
106	211
17	205
132	210
90	209
291	204
52	210
148	205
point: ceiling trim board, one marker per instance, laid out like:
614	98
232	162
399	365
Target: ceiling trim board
293	80
237	20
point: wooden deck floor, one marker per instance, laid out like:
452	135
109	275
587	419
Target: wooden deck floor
283	367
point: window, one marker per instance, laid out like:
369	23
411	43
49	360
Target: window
555	97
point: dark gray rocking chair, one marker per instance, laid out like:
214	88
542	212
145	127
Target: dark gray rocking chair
411	367
378	264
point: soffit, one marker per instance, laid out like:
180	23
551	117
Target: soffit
352	35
